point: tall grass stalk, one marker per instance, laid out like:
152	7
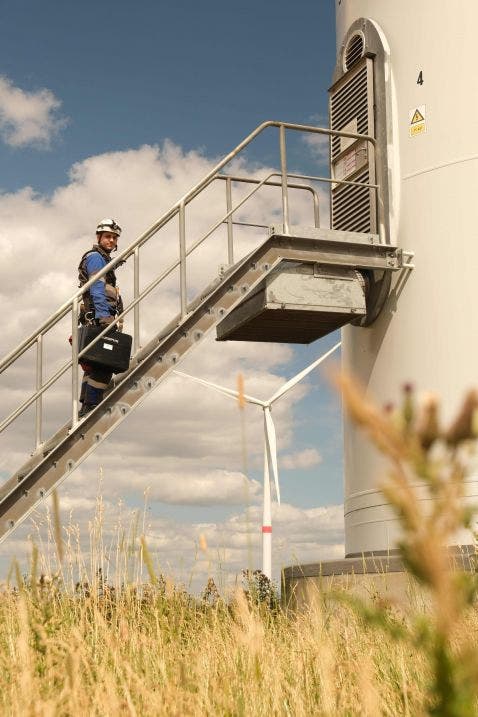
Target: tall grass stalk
90	634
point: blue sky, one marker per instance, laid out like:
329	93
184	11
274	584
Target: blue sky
201	74
120	75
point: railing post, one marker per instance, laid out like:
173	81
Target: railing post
315	199
378	198
230	240
136	329
39	401
74	358
283	170
182	259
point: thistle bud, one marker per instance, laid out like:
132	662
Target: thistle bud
464	426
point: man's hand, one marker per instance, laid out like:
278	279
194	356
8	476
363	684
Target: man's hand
106	320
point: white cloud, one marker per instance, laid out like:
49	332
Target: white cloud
215	487
28	118
307	458
319	145
299	536
185	444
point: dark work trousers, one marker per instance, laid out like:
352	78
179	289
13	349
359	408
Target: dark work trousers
96	378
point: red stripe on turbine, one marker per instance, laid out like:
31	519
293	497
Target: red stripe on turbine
267	528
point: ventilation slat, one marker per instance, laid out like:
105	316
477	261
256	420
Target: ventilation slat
351	201
354	112
361	209
346	211
354	50
351	108
355	96
358	82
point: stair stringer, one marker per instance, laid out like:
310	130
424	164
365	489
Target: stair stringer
63	453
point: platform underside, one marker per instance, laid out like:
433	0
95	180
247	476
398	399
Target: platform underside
297	303
284	325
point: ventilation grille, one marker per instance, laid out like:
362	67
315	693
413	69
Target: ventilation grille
351	206
351	110
347	105
354	51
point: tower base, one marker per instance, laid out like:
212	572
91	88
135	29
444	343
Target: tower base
377	575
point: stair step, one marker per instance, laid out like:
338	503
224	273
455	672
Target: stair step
65	451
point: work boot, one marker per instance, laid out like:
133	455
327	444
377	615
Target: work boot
85	409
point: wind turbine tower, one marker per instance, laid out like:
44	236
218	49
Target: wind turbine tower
405	73
427	331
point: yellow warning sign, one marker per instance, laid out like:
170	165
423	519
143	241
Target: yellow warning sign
417	123
417	117
417	129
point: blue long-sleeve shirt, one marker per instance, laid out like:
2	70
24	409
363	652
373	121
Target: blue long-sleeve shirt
94	263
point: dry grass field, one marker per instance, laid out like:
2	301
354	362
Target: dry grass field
167	654
153	649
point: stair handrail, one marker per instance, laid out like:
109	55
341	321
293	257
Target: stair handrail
164	219
152	285
178	209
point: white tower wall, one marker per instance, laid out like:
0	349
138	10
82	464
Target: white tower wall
428	332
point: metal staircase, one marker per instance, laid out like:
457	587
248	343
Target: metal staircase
54	459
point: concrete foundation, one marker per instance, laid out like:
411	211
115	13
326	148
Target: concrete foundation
377	576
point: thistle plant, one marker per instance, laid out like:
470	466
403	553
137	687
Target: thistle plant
424	453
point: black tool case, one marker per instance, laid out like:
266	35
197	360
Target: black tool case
113	349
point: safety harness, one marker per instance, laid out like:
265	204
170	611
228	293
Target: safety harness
87	309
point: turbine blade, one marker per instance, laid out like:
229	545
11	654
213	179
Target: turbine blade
271	442
293	381
220	389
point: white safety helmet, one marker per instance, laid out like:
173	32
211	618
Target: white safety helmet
108	225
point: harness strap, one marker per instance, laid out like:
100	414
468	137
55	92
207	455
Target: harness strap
87	313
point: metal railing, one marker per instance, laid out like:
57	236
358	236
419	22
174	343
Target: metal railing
178	210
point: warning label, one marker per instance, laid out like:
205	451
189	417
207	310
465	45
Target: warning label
417	117
417	120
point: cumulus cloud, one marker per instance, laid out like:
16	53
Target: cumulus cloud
185	445
28	118
104	529
319	146
215	487
307	458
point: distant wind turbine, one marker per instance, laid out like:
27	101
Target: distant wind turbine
270	447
